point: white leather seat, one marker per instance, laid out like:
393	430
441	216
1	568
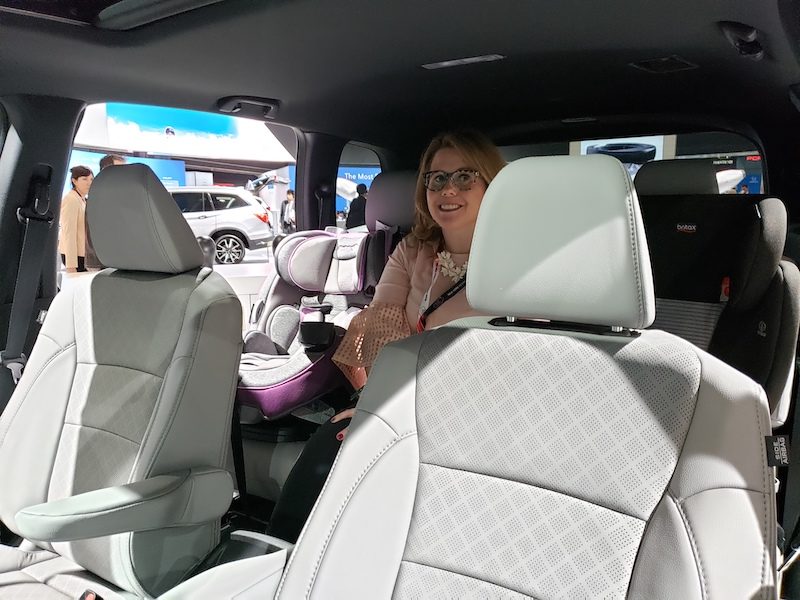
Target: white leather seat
113	446
577	458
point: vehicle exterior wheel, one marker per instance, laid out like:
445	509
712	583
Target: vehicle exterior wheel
229	249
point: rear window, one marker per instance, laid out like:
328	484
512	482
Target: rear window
736	158
224	201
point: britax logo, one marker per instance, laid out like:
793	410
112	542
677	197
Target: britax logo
686	228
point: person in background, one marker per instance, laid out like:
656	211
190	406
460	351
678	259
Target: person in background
422	286
72	232
358	207
91	261
288	215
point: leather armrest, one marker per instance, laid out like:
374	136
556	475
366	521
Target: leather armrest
184	498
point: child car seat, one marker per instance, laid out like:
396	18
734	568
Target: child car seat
323	278
720	279
288	364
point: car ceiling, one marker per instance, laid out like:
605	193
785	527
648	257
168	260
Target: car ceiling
353	69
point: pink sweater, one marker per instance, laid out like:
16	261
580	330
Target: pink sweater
395	309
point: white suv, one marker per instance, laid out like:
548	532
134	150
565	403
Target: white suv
234	218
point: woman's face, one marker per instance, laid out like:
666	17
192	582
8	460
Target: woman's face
455	206
82	184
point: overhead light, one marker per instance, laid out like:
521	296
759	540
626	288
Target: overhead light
666	64
457	62
577	120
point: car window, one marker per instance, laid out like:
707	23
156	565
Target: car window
736	159
189	202
358	166
204	160
224	201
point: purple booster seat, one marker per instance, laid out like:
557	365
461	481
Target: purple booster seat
323	279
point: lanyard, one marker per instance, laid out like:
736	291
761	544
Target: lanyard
424	309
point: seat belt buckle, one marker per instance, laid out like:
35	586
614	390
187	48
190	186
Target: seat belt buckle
15	365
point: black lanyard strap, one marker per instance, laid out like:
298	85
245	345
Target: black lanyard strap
459	285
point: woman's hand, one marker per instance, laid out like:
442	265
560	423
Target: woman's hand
348	413
72	269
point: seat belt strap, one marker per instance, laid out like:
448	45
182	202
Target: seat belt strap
237	448
37	227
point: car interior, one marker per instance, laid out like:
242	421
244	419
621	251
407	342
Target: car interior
621	422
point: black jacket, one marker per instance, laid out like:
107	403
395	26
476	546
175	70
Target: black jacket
356	216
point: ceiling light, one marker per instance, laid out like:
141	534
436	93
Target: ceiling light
666	64
457	62
577	120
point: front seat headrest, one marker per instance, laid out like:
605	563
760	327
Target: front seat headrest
561	238
391	201
136	224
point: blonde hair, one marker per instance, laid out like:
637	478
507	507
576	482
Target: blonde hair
478	152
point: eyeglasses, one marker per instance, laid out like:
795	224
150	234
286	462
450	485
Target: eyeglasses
463	179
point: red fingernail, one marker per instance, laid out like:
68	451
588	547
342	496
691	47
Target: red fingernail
340	436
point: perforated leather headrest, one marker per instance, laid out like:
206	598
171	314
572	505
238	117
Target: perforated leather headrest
391	201
323	261
561	238
136	224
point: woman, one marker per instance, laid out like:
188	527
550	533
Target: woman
421	287
72	235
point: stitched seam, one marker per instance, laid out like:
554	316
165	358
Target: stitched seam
537	487
342	506
695	550
44	335
389	427
36	379
31	554
188	499
134	369
34	577
723	487
114	433
634	241
310	516
110	511
221	457
504	587
765	482
694	413
234	378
